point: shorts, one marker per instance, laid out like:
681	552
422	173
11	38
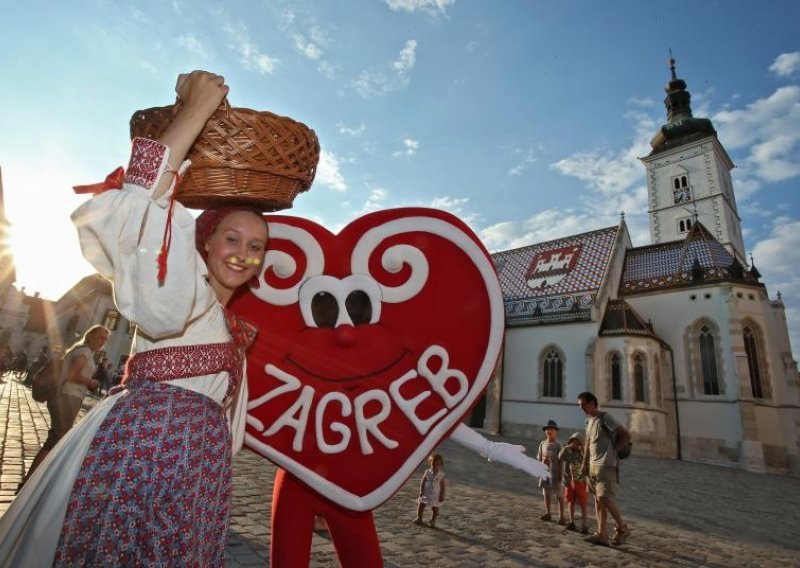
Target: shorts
603	481
576	493
554	489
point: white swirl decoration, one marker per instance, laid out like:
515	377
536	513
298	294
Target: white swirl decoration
285	266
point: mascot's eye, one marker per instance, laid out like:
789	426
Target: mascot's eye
324	309
359	307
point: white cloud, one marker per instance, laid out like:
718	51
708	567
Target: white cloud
609	173
353	131
777	258
527	159
786	64
382	82
308	48
433	7
770	129
329	172
645	102
252	58
410	147
375	202
407	58
193	45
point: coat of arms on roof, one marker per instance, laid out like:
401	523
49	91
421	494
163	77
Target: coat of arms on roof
549	267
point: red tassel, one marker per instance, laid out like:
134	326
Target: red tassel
167	240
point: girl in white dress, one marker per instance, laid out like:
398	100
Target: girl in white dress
431	489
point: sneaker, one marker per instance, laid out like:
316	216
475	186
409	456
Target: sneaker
418	521
598	539
572	527
621	535
546	517
562	521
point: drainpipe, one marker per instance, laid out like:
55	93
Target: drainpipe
675	400
502	382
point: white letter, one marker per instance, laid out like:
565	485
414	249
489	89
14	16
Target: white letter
303	405
365	425
439	379
291	383
409	405
347	409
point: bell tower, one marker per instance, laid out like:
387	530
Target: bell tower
689	176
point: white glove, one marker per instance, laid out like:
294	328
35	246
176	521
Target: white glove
509	454
514	455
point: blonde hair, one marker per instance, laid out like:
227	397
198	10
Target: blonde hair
88	335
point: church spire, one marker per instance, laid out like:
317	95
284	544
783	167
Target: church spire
681	127
678	98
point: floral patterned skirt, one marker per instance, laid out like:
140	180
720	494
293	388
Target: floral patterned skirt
155	485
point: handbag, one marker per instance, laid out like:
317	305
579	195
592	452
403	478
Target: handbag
47	381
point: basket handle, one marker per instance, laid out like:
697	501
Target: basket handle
224	105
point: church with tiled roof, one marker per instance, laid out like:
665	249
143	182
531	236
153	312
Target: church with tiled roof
679	339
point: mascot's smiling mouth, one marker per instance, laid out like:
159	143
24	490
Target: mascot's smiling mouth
288	359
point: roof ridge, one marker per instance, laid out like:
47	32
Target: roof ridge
540	243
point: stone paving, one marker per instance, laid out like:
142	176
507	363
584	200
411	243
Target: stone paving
681	513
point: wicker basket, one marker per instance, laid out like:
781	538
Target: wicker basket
242	157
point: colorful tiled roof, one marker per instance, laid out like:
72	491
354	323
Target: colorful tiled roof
554	281
621	319
699	257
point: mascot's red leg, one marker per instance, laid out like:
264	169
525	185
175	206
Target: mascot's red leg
294	507
292	523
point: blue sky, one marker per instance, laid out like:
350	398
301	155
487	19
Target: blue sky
524	117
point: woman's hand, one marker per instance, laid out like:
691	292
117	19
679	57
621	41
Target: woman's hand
201	92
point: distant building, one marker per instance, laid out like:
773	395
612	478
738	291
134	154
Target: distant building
678	339
90	302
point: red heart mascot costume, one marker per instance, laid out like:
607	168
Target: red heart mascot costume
373	346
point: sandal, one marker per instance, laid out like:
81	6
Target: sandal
620	536
598	539
546	517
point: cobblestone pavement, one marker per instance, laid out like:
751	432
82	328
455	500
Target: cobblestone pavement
681	514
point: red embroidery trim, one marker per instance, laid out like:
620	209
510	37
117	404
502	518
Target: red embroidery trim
184	361
146	158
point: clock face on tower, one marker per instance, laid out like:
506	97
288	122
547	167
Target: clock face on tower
681	195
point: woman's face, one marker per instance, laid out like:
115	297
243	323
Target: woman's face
96	340
235	252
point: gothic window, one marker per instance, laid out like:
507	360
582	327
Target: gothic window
753	364
708	360
639	378
684	225
553	374
112	319
616	376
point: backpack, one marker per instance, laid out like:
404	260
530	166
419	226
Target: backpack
47	381
625	452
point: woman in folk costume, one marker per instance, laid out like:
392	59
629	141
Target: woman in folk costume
145	478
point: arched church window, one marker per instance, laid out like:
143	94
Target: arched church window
553	374
616	376
639	378
708	361
753	366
